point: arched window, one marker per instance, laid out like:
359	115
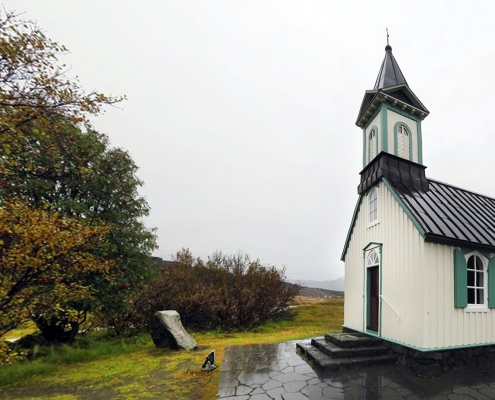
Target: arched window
476	281
403	139
372	144
373	206
373	259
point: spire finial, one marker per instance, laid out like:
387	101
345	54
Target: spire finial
388	47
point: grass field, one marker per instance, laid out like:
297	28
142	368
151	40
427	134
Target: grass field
102	368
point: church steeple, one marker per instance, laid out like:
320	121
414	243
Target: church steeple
390	73
391	115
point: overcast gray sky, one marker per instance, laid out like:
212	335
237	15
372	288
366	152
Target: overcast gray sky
240	114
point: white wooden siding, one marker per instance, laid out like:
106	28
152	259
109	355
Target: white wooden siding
448	326
402	279
417	280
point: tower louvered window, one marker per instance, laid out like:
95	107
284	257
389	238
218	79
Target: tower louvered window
373	144
403	138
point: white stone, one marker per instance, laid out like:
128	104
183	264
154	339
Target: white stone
169	322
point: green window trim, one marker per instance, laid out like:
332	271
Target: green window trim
396	142
372	246
491	283
420	143
364	147
460	278
418	120
375	245
384	120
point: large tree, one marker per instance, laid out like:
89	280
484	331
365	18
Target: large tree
51	158
90	181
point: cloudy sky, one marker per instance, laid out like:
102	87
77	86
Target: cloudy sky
240	114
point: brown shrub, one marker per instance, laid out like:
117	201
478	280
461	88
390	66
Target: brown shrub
226	292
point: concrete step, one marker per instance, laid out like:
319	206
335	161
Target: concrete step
334	351
353	340
324	363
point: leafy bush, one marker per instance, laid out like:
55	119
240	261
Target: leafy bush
226	292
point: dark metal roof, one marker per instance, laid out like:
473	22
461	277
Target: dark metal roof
397	170
449	214
390	73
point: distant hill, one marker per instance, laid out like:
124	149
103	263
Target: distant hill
336	284
317	292
313	292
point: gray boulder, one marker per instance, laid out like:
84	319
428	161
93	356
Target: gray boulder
167	331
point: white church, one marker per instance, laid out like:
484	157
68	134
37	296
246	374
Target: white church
420	254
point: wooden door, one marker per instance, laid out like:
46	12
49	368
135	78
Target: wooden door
373	298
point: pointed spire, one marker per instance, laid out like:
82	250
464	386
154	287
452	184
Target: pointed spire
390	73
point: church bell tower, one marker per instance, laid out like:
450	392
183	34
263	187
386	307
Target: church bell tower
390	117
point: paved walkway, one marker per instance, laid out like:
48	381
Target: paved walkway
276	371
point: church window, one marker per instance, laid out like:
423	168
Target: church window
373	259
476	281
403	139
474	286
373	206
372	144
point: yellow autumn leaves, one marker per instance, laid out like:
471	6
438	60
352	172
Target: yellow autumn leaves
46	258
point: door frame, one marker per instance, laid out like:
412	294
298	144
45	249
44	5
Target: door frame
366	287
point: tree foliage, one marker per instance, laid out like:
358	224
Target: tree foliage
37	99
46	260
34	87
53	162
88	180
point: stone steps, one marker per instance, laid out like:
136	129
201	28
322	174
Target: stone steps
353	339
334	351
345	350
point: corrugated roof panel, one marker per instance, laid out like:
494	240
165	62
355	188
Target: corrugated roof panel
484	207
436	215
429	222
452	217
450	212
464	211
456	214
471	214
490	206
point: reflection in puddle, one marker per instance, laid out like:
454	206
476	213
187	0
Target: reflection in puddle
276	371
